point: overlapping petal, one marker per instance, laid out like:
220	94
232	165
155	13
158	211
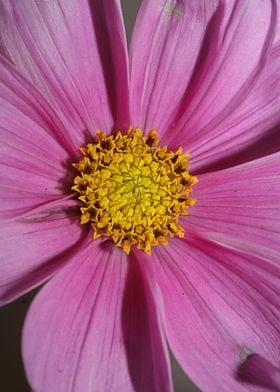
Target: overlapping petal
257	370
233	60
215	304
75	53
250	132
94	327
202	60
240	207
165	47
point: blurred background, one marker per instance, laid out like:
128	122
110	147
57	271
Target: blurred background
12	377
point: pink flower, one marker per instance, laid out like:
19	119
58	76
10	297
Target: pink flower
206	75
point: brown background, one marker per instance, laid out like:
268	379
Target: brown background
12	377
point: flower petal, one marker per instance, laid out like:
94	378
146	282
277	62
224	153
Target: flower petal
240	207
94	327
165	46
215	302
257	370
277	34
36	151
140	318
34	248
22	103
74	53
233	57
249	132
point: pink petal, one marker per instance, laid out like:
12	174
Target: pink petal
36	151
165	47
239	207
36	247
249	132
277	34
74	53
21	101
233	55
94	327
257	370
215	302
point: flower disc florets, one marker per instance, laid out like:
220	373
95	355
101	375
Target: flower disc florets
132	190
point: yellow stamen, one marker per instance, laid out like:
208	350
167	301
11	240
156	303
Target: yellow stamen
132	190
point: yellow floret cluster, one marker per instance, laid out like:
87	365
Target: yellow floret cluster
132	190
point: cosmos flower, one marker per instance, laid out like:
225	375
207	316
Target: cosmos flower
142	257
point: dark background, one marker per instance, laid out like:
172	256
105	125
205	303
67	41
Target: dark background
12	377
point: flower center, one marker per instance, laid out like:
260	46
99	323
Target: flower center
132	190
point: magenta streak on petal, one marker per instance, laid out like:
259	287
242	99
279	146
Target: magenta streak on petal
257	370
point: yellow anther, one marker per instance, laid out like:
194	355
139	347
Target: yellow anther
132	190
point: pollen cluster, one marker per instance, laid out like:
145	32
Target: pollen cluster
132	190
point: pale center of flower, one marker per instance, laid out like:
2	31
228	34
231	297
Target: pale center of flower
132	190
